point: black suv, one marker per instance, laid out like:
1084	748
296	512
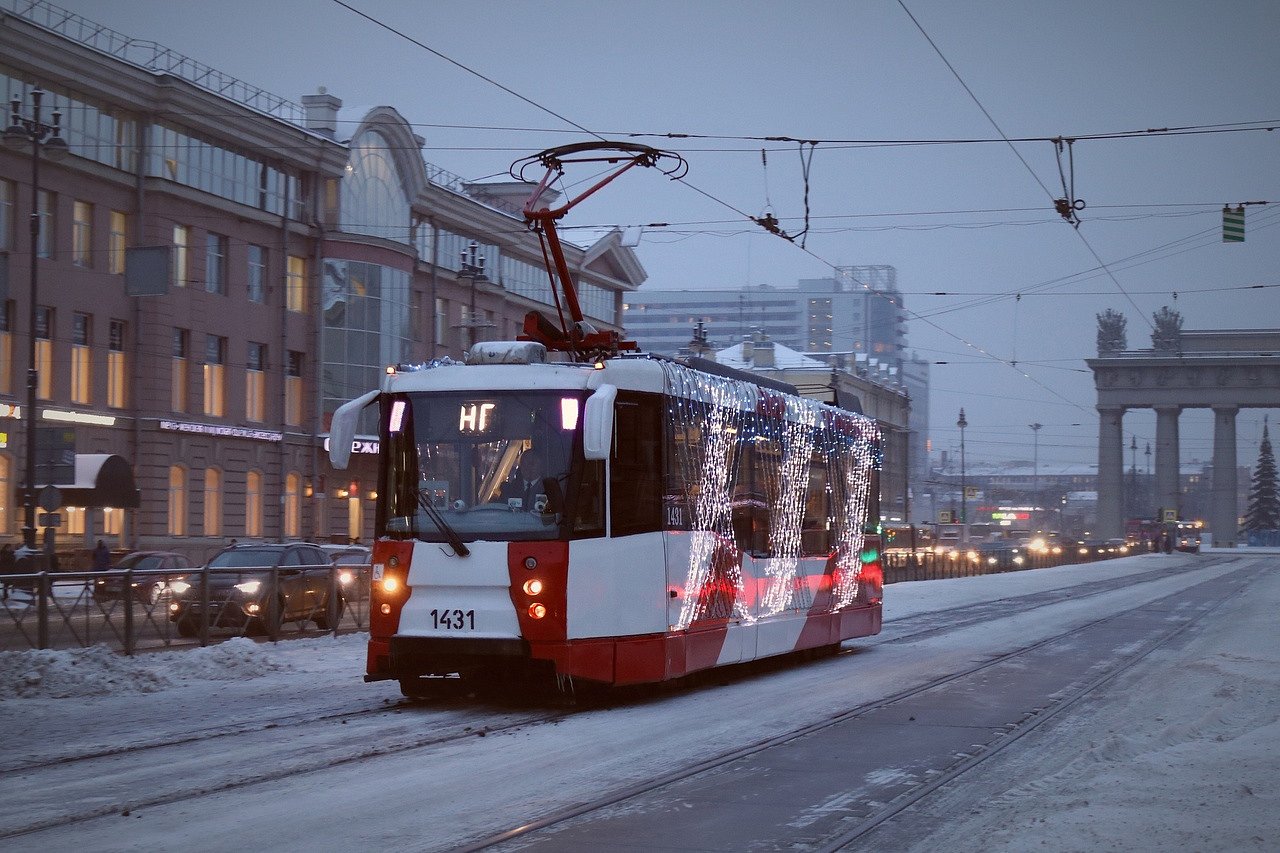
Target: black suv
241	581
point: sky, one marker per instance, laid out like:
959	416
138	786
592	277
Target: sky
973	220
1178	753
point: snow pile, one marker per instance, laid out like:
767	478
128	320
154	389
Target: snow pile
100	671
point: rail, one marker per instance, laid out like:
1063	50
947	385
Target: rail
140	610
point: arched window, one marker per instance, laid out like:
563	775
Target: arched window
177	500
373	199
253	504
212	502
292	505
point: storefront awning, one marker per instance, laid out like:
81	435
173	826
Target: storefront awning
101	480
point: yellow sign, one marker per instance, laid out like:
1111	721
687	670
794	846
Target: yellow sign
1169	515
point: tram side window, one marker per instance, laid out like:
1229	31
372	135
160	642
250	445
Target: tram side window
815	534
636	478
587	501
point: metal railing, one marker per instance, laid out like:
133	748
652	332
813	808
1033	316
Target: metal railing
924	565
134	611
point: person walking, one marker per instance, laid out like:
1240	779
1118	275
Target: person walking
101	557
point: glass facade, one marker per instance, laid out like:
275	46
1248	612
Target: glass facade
91	131
207	166
366	327
373	198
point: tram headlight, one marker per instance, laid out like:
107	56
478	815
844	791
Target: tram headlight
537	610
533	586
390	584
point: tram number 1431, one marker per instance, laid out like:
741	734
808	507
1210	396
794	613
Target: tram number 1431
457	620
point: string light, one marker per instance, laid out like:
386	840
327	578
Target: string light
717	421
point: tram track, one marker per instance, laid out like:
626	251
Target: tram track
363	752
458	732
965	763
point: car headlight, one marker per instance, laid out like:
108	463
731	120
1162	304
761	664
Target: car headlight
249	587
179	587
345	578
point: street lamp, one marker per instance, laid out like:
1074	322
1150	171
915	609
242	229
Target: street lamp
964	491
1035	466
472	268
21	132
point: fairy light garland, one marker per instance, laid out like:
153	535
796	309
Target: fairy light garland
715	420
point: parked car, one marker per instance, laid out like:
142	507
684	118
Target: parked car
146	587
353	562
240	585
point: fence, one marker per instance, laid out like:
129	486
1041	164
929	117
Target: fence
141	610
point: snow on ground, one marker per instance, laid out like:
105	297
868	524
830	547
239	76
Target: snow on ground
1181	752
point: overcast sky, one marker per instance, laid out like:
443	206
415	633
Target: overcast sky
972	220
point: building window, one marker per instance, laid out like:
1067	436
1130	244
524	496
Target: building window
178	383
215	264
6	216
6	348
177	500
296	284
293	390
82	234
116	379
212	502
81	361
181	255
215	366
117	242
441	329
253	504
46	206
44	352
355	517
255	382
292	505
112	521
257	274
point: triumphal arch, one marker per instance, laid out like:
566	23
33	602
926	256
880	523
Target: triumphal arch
1223	370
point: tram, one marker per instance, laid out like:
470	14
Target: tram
565	506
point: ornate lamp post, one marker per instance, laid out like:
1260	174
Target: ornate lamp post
23	131
472	269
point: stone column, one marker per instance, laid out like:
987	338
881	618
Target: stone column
1168	481
1110	472
1224	512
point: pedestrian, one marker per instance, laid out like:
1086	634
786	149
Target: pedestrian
101	557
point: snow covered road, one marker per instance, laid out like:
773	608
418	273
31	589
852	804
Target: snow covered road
285	745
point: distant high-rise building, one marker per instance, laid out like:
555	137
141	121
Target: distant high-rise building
858	310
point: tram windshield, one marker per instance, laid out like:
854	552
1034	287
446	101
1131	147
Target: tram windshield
483	465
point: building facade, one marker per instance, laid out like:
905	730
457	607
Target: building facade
858	310
216	271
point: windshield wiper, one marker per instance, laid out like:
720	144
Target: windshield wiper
455	541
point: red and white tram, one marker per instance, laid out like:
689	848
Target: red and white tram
681	520
556	504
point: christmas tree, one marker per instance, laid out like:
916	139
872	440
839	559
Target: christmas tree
1263	513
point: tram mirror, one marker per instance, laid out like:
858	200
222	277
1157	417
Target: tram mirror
597	423
342	430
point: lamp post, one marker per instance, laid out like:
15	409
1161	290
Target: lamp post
23	131
1035	466
1133	477
472	268
964	490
